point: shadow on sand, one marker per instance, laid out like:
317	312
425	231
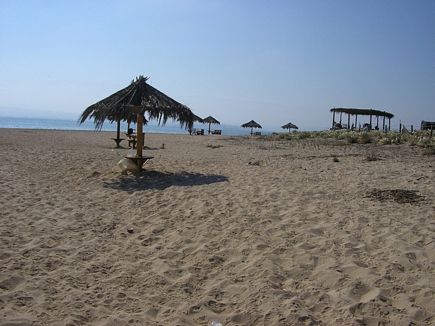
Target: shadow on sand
162	180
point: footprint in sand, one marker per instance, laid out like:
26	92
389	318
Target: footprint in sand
10	282
215	306
371	295
363	293
194	309
148	241
174	273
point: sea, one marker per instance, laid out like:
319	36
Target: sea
152	127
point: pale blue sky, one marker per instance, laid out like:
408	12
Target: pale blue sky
271	61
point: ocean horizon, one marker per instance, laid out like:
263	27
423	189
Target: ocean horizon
152	127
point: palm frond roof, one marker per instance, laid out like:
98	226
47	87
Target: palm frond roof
289	126
363	112
251	124
138	97
211	120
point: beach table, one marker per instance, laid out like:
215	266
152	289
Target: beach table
118	141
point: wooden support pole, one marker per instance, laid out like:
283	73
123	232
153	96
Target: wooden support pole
370	122
118	129
377	122
209	124
139	132
356	121
348	121
383	124
389	124
341	113
333	119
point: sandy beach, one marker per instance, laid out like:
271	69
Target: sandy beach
236	230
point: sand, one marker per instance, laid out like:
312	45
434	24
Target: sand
234	230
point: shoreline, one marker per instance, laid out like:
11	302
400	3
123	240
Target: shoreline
170	127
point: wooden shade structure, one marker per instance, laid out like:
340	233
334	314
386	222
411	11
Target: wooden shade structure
289	126
195	119
210	120
132	102
427	125
355	112
251	124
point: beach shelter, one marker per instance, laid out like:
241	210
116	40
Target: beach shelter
289	126
195	119
251	124
361	112
133	103
210	120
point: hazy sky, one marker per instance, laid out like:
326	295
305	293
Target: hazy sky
271	61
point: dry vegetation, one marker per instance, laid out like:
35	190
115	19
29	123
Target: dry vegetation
421	139
398	195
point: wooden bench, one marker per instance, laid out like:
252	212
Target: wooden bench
217	132
257	133
139	160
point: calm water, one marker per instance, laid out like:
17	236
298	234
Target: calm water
33	123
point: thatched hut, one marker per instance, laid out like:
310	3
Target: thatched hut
195	119
289	126
251	124
364	112
427	125
210	120
134	102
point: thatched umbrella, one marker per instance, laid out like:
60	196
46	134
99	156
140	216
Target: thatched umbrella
251	124
132	102
289	126
210	120
195	119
